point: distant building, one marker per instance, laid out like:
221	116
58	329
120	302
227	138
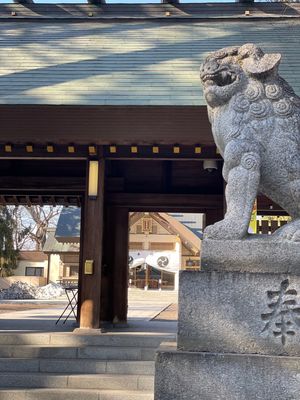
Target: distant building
160	245
63	259
32	267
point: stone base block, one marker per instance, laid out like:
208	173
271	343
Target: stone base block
257	253
234	312
206	376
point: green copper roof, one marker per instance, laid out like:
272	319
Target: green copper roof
136	62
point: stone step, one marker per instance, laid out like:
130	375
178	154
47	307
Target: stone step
82	366
84	381
90	352
72	394
74	339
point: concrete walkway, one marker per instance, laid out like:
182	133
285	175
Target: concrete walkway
143	307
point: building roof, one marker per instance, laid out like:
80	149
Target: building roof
33	256
68	225
192	221
173	226
66	237
52	246
145	59
149	11
187	236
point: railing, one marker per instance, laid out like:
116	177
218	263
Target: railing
68	282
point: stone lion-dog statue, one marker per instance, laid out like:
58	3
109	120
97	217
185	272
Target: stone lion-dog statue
255	119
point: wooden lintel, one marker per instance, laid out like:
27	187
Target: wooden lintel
134	124
165	202
47	183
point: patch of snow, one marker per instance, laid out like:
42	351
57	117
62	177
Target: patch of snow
21	290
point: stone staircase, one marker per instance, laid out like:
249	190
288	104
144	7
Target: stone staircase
73	366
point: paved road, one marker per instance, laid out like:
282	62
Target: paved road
143	307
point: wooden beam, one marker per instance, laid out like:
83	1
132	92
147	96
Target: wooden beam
265	206
41	200
170	1
134	124
165	202
96	2
134	217
166	224
23	1
92	234
42	183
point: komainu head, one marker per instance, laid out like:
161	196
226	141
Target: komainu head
228	71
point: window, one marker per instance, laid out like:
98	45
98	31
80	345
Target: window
74	271
34	271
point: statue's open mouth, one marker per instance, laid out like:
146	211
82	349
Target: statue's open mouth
220	78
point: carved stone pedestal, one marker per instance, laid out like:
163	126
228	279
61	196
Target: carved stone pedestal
183	375
238	336
260	253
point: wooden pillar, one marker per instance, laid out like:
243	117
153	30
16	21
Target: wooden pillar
120	266
91	249
107	279
48	267
114	297
146	287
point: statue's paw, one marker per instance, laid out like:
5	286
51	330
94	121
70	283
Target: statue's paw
224	229
290	232
213	232
293	235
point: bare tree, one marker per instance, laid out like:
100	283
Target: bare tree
43	218
20	234
31	224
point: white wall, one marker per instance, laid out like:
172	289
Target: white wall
22	264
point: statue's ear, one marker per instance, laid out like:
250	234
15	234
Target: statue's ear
266	64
